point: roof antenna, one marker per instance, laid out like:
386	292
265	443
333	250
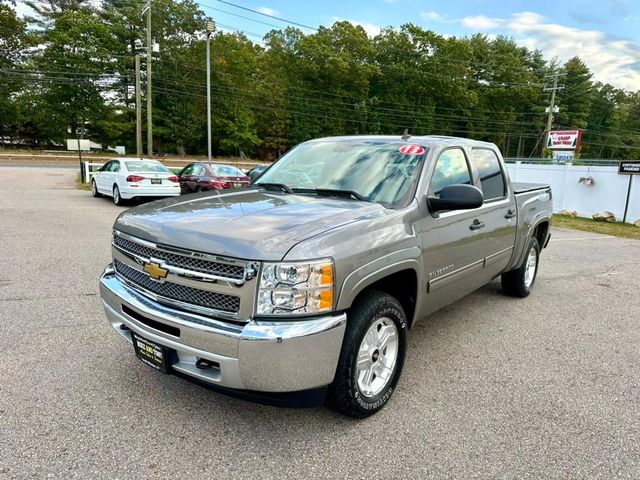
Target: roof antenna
405	135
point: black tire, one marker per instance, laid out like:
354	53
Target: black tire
117	199
344	394
515	282
94	189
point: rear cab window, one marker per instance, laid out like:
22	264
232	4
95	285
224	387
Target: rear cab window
492	181
143	167
451	169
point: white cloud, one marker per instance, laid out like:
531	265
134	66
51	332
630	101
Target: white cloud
481	22
611	60
433	17
268	11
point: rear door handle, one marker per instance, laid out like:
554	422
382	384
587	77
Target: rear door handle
476	225
510	214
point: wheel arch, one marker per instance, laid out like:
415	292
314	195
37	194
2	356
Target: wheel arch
541	231
400	280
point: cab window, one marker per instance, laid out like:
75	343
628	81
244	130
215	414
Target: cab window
492	182
451	169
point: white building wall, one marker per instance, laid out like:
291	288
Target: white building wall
608	191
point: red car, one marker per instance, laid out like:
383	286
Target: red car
200	177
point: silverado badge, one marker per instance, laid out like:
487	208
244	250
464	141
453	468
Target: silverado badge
155	271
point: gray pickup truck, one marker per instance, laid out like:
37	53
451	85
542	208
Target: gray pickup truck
306	283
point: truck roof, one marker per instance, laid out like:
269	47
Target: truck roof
425	140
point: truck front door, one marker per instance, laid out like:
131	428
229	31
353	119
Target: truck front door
453	261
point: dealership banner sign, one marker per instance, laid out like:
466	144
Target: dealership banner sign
564	139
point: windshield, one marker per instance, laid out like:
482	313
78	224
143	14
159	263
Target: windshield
140	167
379	172
226	171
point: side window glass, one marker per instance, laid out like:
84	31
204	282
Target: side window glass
451	169
199	170
115	166
187	170
106	167
492	181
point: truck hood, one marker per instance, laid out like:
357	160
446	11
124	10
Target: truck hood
250	224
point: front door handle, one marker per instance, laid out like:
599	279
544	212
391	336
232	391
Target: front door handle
476	225
510	214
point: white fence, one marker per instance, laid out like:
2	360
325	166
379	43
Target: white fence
90	169
607	192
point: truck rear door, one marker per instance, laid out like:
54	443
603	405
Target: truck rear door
497	236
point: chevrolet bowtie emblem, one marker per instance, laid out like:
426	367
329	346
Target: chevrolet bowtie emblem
155	271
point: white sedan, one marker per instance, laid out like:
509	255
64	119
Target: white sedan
126	178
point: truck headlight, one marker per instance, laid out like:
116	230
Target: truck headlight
295	288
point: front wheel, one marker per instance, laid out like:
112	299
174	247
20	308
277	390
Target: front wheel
372	356
519	282
94	189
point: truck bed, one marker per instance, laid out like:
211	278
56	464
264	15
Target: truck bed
521	187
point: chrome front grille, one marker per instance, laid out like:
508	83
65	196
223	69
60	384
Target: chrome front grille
179	293
207	284
186	262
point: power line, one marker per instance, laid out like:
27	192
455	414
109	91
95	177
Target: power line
257	12
242	16
347	107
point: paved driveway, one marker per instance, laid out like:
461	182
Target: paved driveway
543	387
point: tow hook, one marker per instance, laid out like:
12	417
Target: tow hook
204	364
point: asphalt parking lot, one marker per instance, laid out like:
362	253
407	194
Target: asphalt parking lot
543	387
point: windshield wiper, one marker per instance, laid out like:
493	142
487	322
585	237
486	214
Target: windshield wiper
267	185
332	192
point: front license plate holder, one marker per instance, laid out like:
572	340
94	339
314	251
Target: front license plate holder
155	355
156	181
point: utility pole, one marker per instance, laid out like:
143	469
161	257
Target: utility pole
149	106
552	104
138	110
209	32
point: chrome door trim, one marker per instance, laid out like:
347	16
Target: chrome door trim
449	277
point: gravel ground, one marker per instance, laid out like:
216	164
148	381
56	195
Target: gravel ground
543	387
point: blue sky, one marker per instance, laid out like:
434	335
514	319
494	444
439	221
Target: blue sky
604	33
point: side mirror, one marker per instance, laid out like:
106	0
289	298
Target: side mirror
456	197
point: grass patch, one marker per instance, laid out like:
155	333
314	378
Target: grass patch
80	185
617	229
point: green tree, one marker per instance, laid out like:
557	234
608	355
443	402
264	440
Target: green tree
12	41
574	99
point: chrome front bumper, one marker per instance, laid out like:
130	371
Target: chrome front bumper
263	356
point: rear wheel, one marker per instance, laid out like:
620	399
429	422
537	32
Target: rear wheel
372	356
519	282
94	189
117	199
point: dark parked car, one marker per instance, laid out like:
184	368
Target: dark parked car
255	172
200	177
